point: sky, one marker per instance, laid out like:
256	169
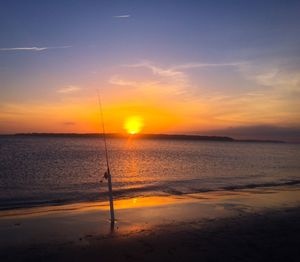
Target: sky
193	67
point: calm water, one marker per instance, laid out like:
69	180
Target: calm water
37	170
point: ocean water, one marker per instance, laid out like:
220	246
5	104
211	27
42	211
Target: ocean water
45	171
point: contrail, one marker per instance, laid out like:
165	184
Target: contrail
121	16
34	48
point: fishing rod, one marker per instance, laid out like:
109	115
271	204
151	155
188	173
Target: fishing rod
107	174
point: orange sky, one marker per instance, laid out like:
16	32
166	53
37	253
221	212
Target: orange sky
179	73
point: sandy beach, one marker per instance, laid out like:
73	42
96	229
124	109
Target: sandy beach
149	131
245	225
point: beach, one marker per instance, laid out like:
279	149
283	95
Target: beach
149	131
174	200
238	225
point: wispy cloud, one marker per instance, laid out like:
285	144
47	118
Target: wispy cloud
277	77
177	76
117	80
34	48
164	80
175	79
156	70
23	49
177	71
68	89
226	103
199	65
122	16
68	123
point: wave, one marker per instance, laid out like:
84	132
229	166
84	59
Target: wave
176	188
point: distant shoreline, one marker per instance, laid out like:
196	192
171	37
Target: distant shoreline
144	136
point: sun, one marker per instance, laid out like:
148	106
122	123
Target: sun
133	125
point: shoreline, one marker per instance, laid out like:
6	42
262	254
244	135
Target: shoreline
148	191
57	233
184	137
161	198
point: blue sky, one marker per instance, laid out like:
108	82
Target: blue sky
228	63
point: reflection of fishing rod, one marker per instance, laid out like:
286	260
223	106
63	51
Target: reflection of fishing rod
107	174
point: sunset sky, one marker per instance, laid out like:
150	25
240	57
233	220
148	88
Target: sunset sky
193	67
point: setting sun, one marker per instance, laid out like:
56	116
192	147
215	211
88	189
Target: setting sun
133	125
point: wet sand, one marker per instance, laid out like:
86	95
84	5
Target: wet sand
246	225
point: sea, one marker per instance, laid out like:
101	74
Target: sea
37	171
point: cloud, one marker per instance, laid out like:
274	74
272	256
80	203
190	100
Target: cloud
276	78
68	89
164	80
156	70
34	48
252	94
117	80
122	16
68	123
167	81
177	71
24	49
176	77
268	132
199	65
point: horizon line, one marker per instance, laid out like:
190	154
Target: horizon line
157	135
